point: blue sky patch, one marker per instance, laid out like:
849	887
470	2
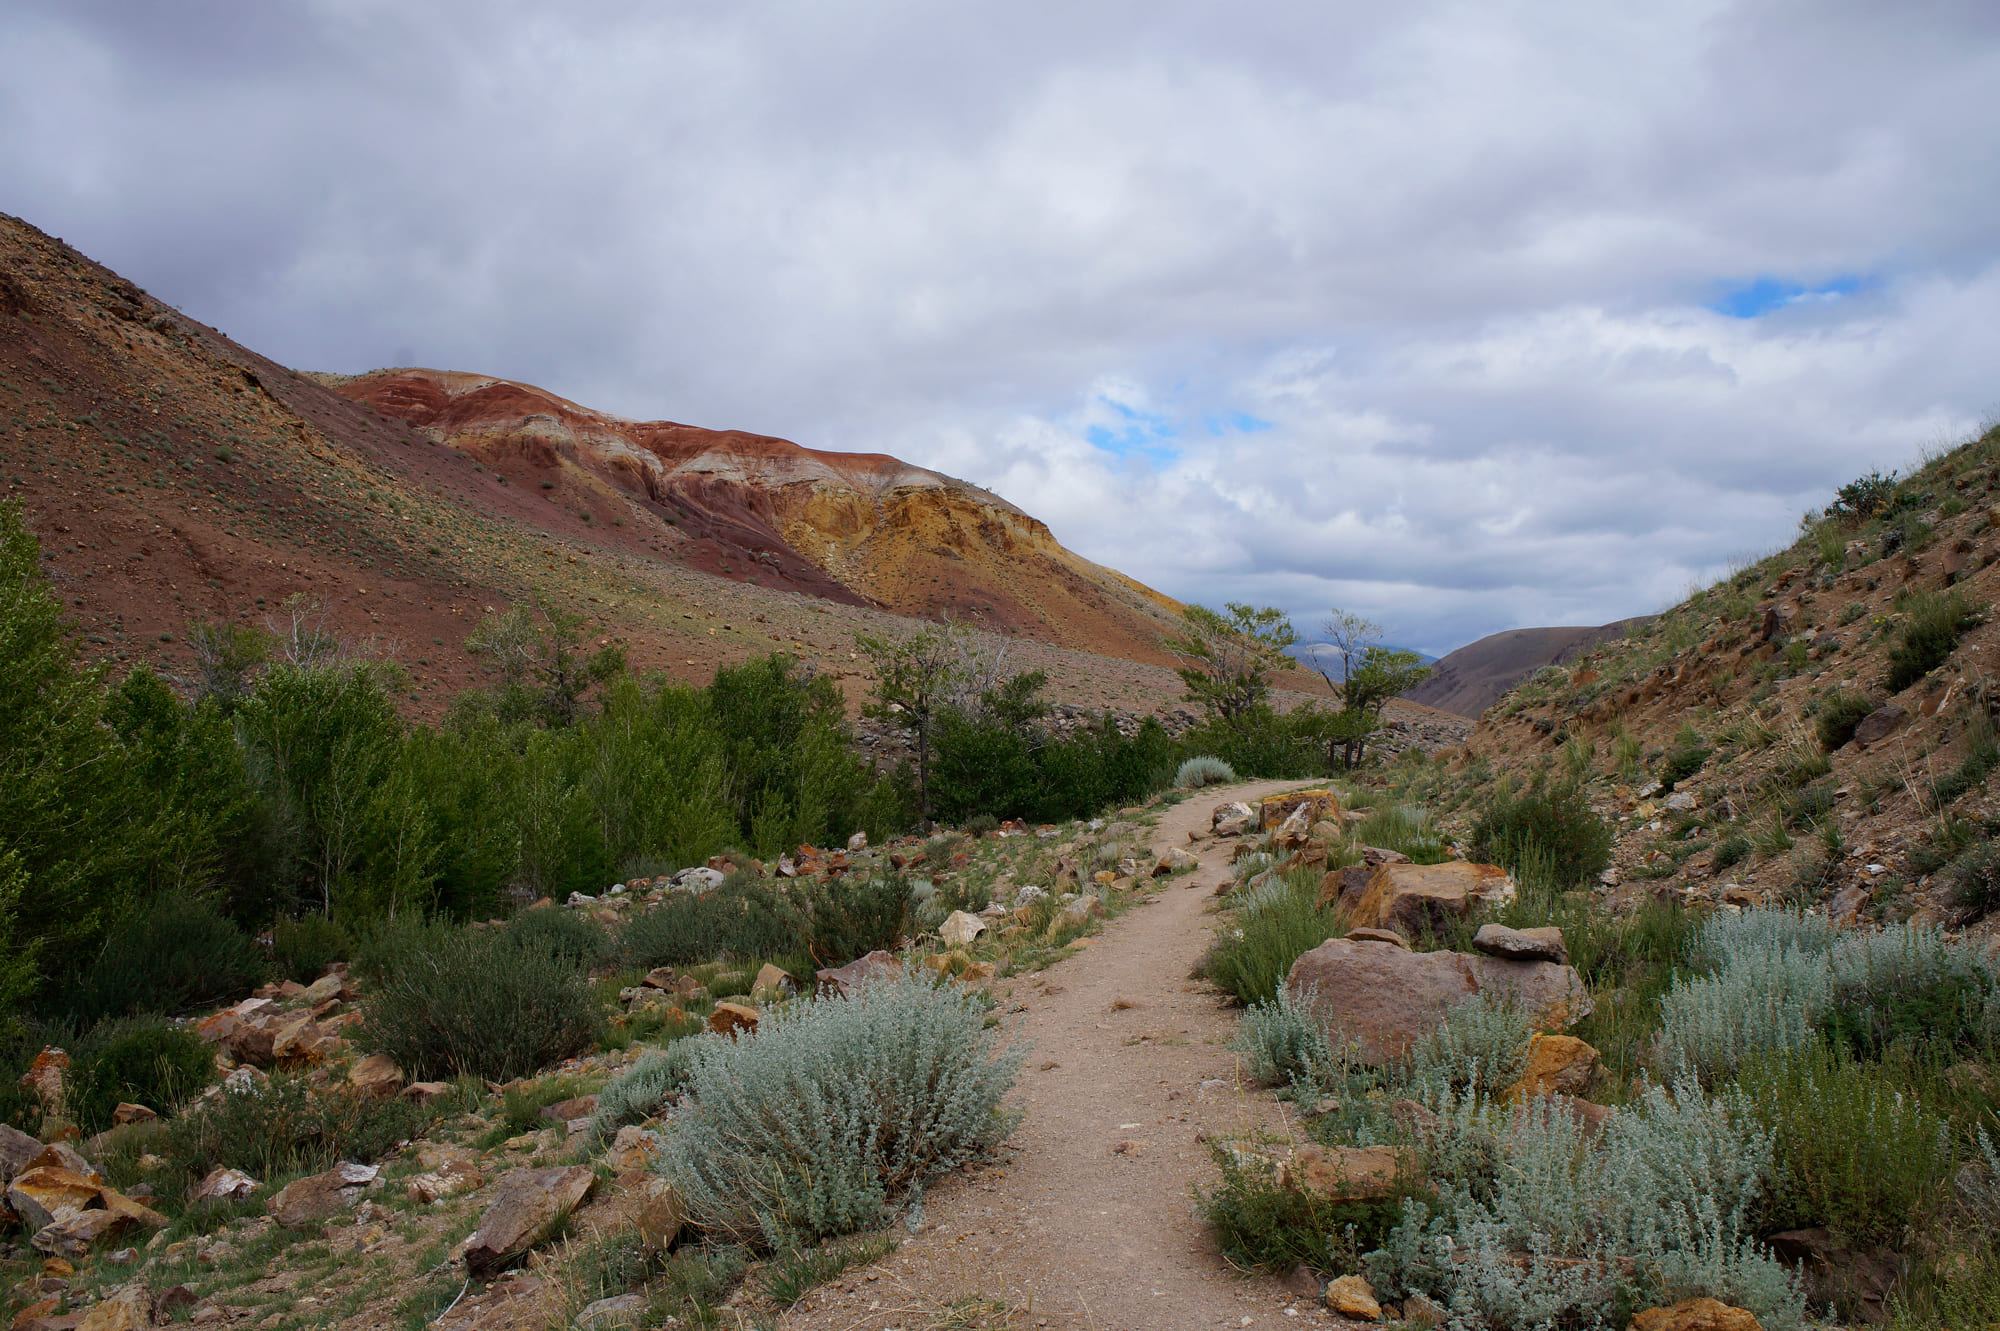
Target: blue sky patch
1236	422
1762	295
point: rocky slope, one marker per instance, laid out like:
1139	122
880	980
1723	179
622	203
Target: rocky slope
1755	743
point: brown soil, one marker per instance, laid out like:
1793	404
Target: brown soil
1091	1222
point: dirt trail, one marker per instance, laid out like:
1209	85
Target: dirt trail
1093	1220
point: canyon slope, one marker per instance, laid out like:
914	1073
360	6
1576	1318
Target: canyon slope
175	476
1479	674
859	527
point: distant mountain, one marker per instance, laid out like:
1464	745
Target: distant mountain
1473	678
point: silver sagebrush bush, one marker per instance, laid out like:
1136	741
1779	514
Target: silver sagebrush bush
1202	770
810	1125
1481	1044
1539	1224
1280	1040
643	1090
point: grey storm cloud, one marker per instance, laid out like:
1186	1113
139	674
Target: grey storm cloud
1464	316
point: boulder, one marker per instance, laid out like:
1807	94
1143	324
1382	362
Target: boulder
729	1018
307	1201
251	1043
876	965
1697	1315
1875	727
1319	804
960	928
1231	819
127	1113
1296	831
1382	997
660	1216
1340	1173
223	1185
1353	1297
526	1208
660	977
64	1156
43	1195
17	1148
130	1309
1545	944
772	984
1557	1065
1414	899
423	1092
1343	887
75	1235
323	990
1174	860
564	1111
376	1075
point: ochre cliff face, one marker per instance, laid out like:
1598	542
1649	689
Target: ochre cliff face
859	527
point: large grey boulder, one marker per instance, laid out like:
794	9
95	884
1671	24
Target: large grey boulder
1383	998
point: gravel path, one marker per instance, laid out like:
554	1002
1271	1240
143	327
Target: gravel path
1091	1224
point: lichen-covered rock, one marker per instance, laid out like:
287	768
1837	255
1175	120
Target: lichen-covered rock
1414	899
1697	1315
1557	1065
1353	1296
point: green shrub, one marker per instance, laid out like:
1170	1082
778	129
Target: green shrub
289	1126
849	917
641	1091
302	949
474	1003
1554	821
1202	770
567	935
1252	956
1857	1150
1839	713
690	928
173	956
1974	880
1684	759
1729	851
143	1060
808	1127
1260	1224
1933	624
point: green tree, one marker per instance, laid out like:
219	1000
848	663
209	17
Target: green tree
544	671
917	678
226	658
1365	675
1228	657
74	826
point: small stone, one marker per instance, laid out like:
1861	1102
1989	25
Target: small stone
877	964
622	1310
1544	944
1379	936
772	984
223	1185
1353	1296
660	977
423	1092
660	1215
131	1113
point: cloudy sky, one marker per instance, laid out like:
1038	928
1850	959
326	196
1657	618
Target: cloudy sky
1464	316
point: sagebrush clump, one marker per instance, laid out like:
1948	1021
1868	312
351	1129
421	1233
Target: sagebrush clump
811	1125
1202	770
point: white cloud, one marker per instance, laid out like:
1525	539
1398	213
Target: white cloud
1456	256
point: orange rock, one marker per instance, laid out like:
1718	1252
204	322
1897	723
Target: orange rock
1557	1065
1274	811
1697	1315
729	1018
1341	1173
1415	898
